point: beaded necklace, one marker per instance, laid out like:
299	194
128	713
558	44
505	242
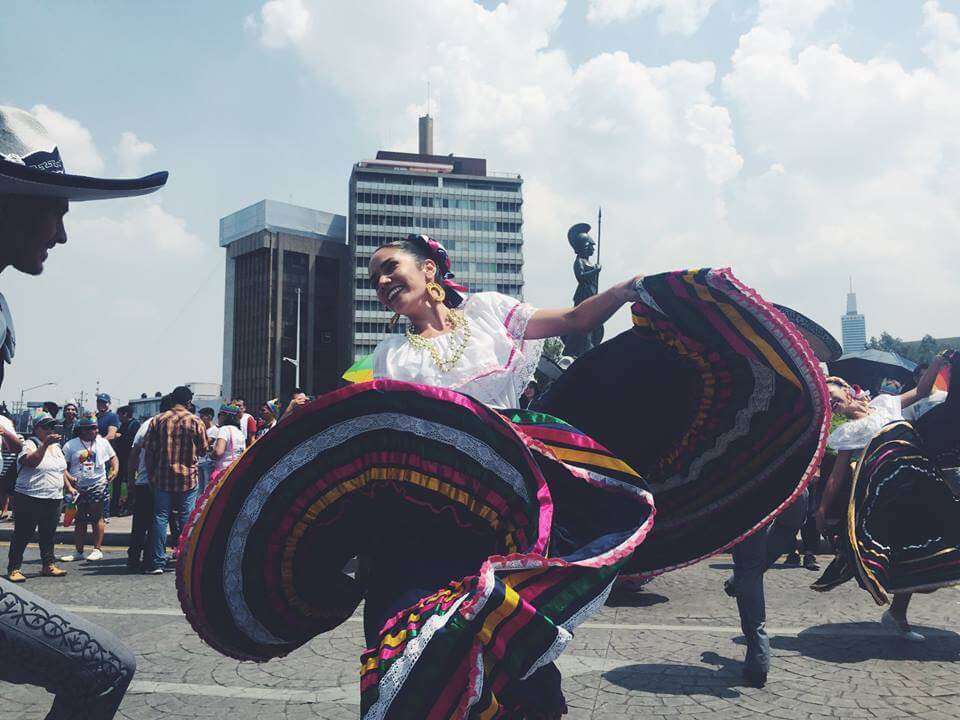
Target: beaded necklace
460	326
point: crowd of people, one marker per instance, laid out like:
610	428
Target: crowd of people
85	467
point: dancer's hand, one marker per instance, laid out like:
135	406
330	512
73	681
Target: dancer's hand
629	290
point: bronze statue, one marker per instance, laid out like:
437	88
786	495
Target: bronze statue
588	280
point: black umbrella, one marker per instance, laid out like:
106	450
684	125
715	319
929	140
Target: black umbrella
868	368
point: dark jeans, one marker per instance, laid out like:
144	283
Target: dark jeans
33	514
749	559
114	508
85	667
139	552
165	501
810	536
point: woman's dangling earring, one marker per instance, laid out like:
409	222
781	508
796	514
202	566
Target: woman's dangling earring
393	322
436	291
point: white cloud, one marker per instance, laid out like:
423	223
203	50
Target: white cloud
673	16
142	226
861	156
130	152
796	15
281	21
648	143
75	142
872	151
131	285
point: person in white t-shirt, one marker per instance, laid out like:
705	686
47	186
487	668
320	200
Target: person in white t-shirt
41	481
231	441
92	465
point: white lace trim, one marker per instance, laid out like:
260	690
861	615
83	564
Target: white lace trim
518	318
557	647
589	609
305	452
394	678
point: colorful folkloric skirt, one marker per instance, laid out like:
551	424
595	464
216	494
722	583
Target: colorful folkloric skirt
715	399
486	549
486	538
903	519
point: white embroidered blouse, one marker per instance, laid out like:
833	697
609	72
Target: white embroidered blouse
496	366
857	434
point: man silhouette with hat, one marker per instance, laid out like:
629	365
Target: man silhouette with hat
85	666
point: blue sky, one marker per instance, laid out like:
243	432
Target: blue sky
800	142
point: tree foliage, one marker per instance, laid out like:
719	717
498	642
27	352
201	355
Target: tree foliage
553	348
920	352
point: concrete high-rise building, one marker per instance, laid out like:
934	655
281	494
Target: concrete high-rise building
287	278
476	214
853	325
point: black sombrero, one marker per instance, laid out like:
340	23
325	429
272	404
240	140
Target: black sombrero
824	345
30	164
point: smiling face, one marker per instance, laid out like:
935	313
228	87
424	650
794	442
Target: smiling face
69	412
29	228
842	401
399	279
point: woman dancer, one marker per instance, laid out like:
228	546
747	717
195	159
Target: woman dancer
486	537
900	531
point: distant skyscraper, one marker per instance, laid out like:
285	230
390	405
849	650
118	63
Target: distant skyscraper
274	250
476	215
853	325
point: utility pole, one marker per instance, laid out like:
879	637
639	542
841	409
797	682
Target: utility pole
296	361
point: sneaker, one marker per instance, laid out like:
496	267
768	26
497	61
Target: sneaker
900	628
16	576
95	554
837	573
810	562
153	571
793	559
71	557
53	571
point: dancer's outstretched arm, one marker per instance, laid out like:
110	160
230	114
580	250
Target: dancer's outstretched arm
584	317
925	386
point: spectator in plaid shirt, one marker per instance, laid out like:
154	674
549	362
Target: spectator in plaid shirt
175	442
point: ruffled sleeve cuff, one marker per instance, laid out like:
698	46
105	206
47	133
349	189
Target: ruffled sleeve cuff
517	318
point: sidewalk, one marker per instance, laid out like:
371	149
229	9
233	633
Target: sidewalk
117	535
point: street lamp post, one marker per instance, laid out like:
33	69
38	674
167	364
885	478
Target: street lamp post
296	361
24	391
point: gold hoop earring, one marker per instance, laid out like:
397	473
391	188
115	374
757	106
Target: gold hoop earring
435	290
393	322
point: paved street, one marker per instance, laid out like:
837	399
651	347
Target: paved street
671	650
